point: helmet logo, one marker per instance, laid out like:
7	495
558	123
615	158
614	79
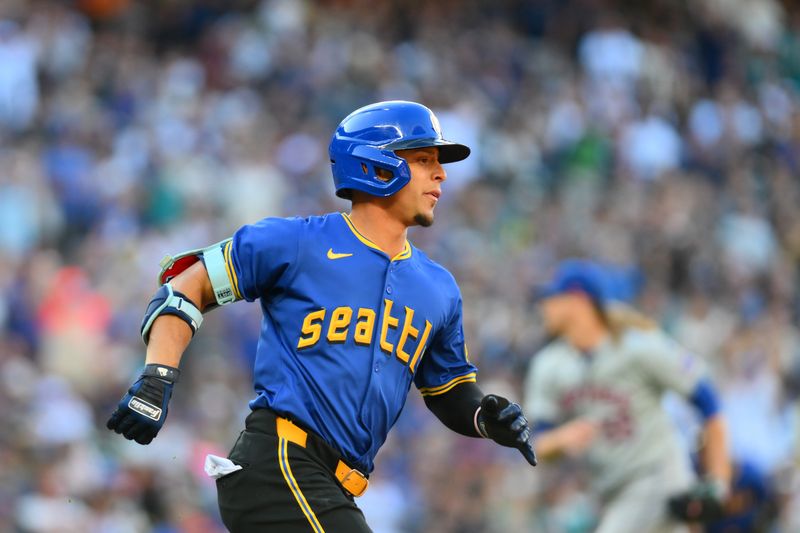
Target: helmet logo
436	126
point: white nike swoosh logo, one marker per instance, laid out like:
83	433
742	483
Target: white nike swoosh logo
334	255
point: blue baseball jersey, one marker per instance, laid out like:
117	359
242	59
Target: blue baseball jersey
346	328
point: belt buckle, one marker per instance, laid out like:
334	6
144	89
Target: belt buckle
355	482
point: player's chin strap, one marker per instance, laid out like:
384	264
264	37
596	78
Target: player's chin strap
167	301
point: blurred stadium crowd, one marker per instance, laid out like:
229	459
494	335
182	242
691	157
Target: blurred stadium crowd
660	137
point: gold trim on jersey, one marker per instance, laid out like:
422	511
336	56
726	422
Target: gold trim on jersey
441	389
232	277
405	254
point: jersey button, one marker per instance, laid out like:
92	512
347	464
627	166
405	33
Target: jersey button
388	289
377	367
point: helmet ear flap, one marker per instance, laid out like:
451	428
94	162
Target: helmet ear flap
369	169
378	173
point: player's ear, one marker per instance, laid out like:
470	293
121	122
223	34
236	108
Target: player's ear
383	174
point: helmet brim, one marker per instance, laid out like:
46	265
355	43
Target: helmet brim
449	152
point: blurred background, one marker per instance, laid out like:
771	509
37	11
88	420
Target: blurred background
660	137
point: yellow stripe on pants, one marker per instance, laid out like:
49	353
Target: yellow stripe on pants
283	460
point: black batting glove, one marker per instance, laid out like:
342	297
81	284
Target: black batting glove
142	411
504	423
703	503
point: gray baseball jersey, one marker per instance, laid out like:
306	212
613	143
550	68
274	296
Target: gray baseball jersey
619	386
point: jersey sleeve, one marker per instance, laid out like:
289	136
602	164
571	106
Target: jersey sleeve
541	398
260	254
446	363
669	365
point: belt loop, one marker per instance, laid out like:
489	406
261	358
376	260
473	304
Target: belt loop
287	430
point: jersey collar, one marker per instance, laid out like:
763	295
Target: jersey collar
404	254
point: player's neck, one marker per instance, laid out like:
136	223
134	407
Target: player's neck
379	226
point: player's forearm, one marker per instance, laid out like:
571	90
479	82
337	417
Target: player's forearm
169	338
457	407
549	444
716	460
169	335
572	438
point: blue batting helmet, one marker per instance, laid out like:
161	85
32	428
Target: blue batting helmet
368	137
576	275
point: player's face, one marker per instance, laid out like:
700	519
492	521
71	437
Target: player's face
557	312
415	202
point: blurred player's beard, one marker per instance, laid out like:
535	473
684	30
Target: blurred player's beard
423	220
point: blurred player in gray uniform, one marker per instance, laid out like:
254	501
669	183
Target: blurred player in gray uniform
597	389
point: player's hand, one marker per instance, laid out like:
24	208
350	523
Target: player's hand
575	437
504	423
704	503
142	411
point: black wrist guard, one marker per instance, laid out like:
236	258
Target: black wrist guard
167	373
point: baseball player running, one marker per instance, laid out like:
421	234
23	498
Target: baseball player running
352	315
597	389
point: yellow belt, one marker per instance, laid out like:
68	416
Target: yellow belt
351	479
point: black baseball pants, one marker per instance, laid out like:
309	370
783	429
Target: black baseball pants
283	487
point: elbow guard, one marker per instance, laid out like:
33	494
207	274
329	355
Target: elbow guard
167	301
217	267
